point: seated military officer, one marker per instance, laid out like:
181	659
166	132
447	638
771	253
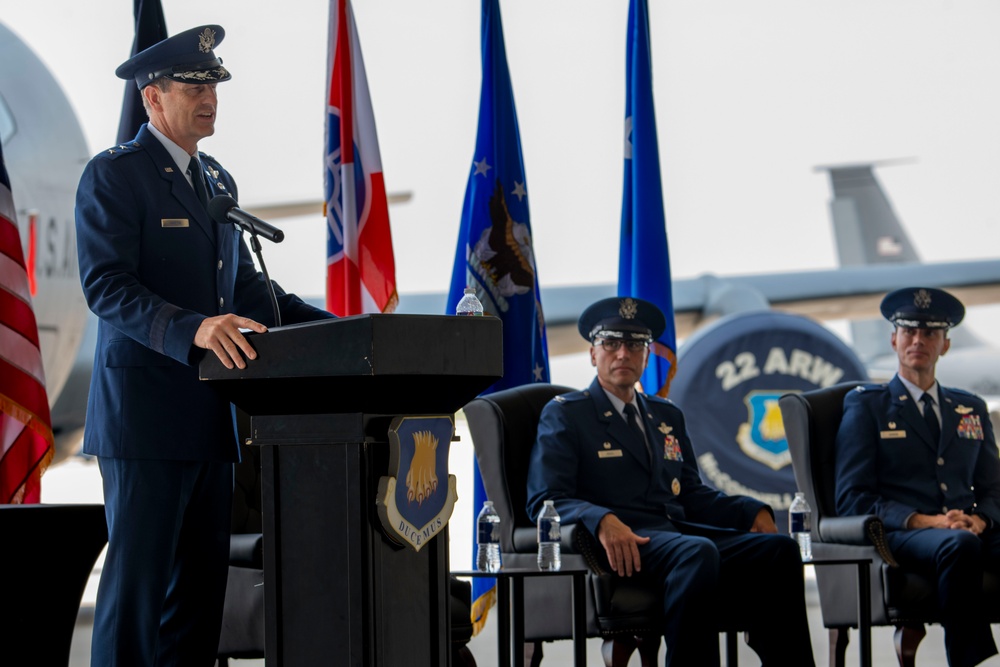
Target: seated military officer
922	457
621	463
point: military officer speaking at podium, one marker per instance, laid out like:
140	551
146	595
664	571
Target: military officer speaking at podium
165	280
621	463
923	458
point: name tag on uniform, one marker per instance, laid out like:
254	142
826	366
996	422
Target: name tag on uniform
173	222
609	453
891	435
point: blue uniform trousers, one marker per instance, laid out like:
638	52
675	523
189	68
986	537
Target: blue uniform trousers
162	589
955	559
749	581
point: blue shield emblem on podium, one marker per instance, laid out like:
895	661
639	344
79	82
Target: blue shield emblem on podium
416	502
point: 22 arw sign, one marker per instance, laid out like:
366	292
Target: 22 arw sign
730	376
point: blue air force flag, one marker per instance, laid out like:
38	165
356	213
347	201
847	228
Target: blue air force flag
494	252
644	260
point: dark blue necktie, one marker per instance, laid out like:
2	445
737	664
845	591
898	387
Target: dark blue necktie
198	181
636	428
932	421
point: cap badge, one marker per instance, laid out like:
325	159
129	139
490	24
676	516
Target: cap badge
922	299
206	40
628	308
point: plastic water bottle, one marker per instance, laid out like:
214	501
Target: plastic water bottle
549	557
488	539
469	304
800	523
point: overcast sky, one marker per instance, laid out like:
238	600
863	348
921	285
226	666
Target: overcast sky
750	96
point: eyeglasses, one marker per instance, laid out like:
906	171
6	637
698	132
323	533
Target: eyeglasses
615	344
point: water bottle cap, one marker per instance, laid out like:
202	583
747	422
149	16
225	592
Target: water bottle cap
469	290
550	502
488	503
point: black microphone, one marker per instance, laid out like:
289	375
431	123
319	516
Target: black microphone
225	209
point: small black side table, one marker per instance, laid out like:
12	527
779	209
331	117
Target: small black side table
864	600
510	587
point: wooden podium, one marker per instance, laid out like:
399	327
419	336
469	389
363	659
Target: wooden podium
321	397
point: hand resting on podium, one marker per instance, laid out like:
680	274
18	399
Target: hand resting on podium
221	334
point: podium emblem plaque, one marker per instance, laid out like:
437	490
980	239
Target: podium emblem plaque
416	503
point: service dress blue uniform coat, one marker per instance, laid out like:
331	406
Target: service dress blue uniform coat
590	463
889	465
153	266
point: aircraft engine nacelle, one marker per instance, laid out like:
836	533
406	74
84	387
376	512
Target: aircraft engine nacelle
730	375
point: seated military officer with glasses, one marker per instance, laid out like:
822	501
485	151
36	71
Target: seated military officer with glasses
620	462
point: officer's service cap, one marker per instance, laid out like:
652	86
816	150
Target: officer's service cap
922	308
188	57
622	317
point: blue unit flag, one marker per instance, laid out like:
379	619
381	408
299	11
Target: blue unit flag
644	259
494	253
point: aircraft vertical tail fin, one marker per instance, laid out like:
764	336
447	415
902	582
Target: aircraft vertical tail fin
867	231
865	226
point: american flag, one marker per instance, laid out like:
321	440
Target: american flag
361	271
26	443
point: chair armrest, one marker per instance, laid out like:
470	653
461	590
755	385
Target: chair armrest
859	530
246	550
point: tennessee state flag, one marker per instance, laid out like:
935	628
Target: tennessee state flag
644	260
494	254
361	271
26	442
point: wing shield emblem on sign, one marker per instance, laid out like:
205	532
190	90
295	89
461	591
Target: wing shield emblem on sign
762	436
416	503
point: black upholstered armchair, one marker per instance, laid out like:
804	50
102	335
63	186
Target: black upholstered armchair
243	614
899	598
625	612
